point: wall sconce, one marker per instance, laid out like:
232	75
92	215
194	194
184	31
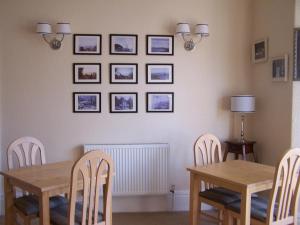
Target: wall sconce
183	30
54	40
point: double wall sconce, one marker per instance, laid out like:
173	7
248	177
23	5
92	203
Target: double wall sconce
183	30
54	40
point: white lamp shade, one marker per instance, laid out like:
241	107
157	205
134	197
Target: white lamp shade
243	103
63	28
183	28
43	28
202	29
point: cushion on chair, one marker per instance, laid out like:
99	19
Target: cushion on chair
221	195
259	208
59	214
29	204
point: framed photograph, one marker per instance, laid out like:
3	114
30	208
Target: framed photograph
297	55
123	73
260	51
160	102
86	102
123	44
86	73
160	44
123	102
87	44
159	73
280	67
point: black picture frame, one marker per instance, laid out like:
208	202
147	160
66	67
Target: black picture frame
76	102
149	106
121	50
112	75
76	78
149	77
296	76
159	50
97	41
112	102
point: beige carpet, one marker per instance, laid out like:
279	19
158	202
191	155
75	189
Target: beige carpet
158	218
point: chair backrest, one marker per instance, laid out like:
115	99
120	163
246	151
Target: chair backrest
95	168
26	149
285	192
207	150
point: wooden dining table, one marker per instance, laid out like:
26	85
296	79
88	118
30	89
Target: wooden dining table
238	175
43	181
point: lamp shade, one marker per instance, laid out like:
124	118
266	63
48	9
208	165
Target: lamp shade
183	28
243	103
43	28
202	29
63	28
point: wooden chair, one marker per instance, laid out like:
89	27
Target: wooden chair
207	150
95	169
282	206
27	150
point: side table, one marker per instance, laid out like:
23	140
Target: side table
240	148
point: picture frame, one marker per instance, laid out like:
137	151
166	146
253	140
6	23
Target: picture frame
159	73
87	44
86	102
86	73
160	45
123	73
296	76
123	102
280	66
260	51
160	102
123	44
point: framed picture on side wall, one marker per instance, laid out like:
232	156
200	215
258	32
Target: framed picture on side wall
160	45
296	76
86	73
280	67
123	73
87	44
160	102
86	102
123	44
159	73
260	51
123	102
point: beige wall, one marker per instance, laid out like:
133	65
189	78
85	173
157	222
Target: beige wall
272	121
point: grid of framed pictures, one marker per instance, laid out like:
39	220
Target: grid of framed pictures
123	73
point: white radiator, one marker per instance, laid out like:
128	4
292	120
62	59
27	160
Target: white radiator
141	169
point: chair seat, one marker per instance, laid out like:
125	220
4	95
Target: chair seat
221	195
29	204
59	214
259	208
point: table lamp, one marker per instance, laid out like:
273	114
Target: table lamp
242	104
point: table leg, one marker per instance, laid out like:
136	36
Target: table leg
194	199
9	202
225	155
44	209
245	207
244	152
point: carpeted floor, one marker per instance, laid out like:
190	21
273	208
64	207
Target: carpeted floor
157	218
